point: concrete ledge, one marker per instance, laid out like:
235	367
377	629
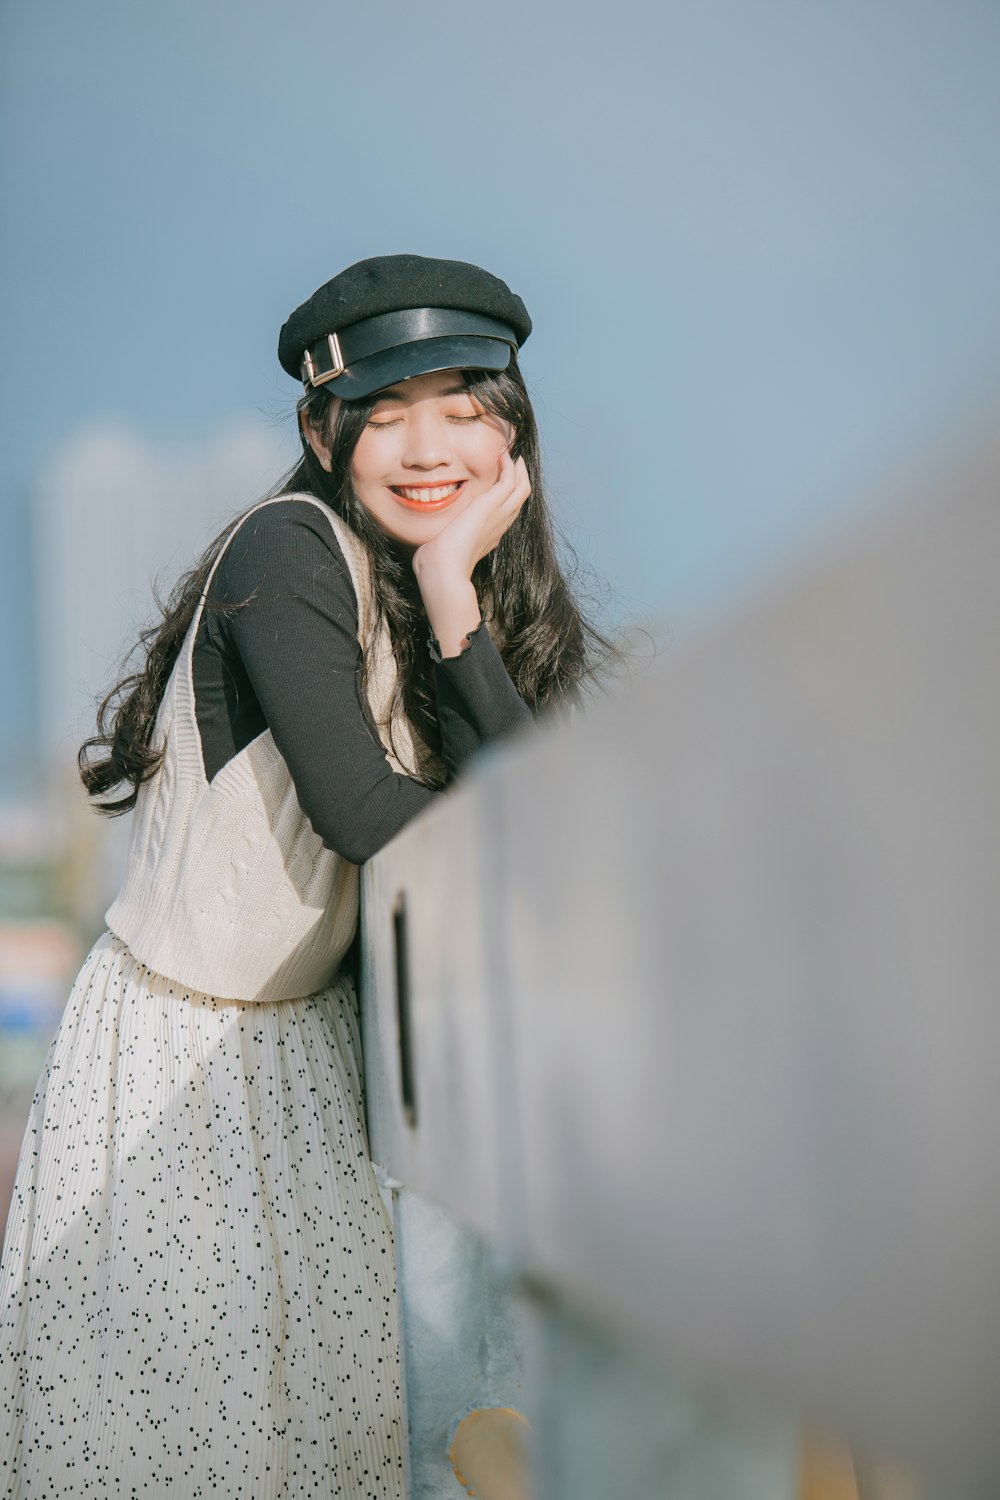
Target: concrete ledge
704	998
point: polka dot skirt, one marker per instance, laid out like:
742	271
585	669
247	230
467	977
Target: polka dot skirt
197	1294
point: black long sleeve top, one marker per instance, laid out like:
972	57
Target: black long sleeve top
288	660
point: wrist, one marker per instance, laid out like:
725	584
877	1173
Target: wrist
438	572
438	654
452	613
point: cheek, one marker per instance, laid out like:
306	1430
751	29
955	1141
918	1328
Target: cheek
368	459
485	445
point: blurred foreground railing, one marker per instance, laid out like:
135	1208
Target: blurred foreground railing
698	1001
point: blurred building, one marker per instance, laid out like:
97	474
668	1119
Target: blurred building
116	515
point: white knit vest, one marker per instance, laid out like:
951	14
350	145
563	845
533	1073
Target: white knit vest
228	889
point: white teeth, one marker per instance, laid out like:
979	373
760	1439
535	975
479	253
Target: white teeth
439	492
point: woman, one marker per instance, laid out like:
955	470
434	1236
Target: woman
197	1288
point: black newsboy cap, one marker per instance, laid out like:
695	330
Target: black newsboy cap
396	316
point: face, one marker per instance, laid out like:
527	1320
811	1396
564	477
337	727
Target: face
428	450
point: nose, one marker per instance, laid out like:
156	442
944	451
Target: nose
428	441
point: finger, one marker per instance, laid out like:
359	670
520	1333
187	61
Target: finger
522	484
506	464
515	471
513	507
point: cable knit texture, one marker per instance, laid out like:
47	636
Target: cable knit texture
228	888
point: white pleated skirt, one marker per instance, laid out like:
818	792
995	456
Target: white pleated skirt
197	1293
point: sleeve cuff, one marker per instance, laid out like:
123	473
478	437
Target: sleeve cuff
434	647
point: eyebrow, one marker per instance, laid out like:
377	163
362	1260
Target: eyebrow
391	395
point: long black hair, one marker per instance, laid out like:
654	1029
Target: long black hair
547	646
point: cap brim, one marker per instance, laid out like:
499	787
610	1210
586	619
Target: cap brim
423	357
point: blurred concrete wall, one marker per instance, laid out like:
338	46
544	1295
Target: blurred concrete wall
700	1001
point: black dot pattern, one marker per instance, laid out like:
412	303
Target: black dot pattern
197	1293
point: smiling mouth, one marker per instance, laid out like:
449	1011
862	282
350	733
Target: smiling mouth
427	496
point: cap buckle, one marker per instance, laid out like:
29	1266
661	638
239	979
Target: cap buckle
337	360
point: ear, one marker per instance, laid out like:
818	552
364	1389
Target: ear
316	440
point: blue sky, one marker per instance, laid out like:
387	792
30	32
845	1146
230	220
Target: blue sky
759	243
